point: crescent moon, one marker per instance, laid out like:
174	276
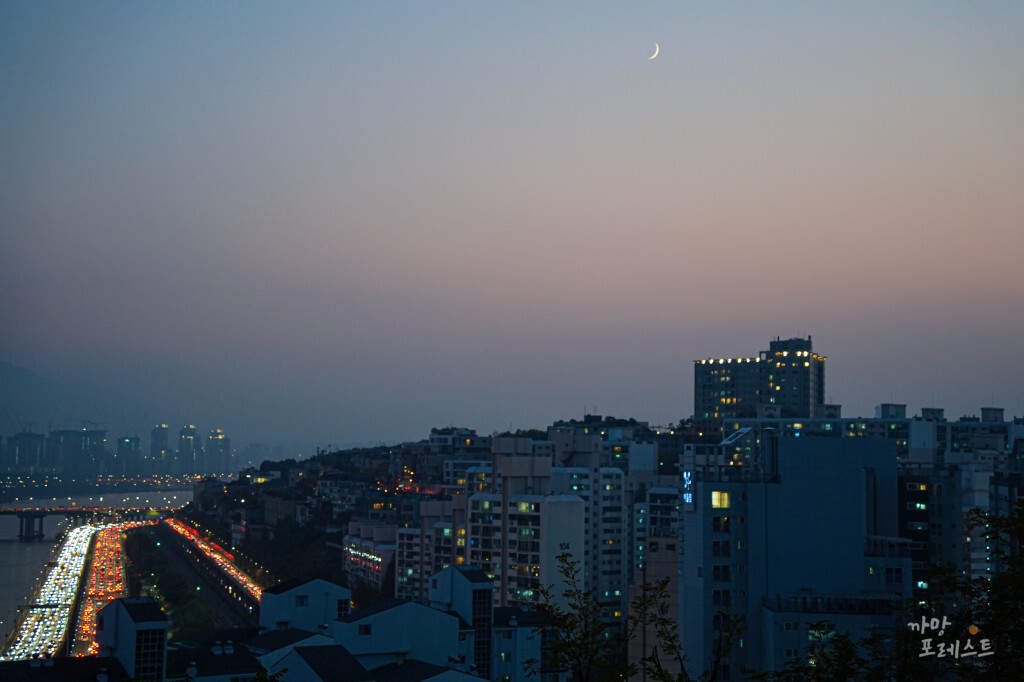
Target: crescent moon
656	50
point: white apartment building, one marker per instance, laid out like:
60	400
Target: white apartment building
606	555
516	539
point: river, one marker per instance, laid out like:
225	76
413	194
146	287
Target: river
23	564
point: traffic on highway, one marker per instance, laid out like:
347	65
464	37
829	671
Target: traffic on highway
44	626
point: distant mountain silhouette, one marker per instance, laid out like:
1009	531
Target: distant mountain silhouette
29	402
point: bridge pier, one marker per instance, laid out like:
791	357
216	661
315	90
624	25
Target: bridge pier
30	526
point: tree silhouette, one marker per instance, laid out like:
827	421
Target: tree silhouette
575	638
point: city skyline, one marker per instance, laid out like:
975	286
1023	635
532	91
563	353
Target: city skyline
351	224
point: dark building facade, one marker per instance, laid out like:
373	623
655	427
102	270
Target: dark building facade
26	452
128	458
218	452
76	452
189	455
159	448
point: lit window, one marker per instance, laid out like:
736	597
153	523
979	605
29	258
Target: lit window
719	499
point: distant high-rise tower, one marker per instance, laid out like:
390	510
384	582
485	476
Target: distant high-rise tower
787	380
129	455
218	452
190	450
77	452
159	449
26	452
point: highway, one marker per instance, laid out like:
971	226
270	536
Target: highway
45	628
230	592
105	583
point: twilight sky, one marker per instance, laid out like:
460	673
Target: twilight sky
346	222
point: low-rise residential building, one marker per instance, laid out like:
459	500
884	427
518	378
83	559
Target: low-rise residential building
303	603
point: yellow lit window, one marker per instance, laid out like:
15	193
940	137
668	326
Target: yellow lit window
719	499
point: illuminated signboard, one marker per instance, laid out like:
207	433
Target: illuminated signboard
687	492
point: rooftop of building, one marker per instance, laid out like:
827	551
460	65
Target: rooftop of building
336	664
383	606
226	660
473	575
143	610
333	663
208	638
410	670
291	584
272	640
84	669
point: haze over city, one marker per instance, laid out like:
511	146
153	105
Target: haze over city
349	222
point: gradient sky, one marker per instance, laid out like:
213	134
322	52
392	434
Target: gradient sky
347	222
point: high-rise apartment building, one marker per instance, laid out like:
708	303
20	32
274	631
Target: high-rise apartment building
606	557
655	546
801	531
517	538
945	471
655	517
519	513
426	548
787	380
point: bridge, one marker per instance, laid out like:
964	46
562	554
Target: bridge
30	519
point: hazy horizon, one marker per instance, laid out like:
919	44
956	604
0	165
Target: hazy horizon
341	222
